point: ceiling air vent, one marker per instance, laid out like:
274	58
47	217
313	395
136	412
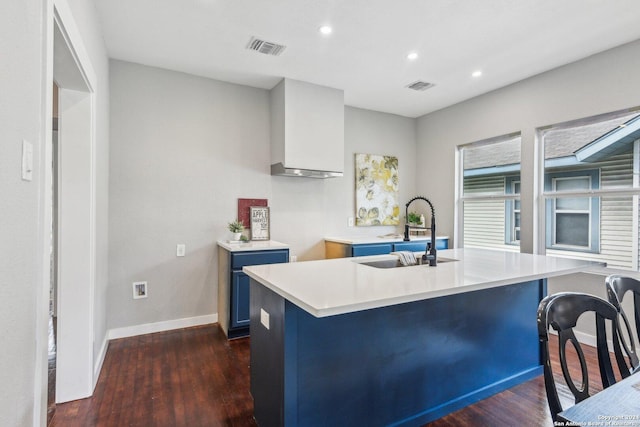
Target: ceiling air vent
263	46
420	85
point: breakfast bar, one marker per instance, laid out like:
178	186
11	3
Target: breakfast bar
347	342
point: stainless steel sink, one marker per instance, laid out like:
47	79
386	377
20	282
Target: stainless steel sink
394	263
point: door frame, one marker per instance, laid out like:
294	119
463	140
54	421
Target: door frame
76	351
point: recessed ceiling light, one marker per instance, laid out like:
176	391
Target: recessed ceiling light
325	30
476	73
412	56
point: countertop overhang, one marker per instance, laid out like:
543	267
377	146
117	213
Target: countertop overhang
338	286
257	245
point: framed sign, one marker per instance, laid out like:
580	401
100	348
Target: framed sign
243	209
259	220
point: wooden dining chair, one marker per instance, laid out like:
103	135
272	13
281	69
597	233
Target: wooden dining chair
617	288
561	311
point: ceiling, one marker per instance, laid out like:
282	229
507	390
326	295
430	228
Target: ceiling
366	54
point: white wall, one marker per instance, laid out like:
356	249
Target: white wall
599	84
183	150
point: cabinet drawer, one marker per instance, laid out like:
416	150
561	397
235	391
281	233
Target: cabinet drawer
239	260
442	244
420	246
373	249
411	246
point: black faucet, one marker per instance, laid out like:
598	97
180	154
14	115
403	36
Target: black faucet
431	253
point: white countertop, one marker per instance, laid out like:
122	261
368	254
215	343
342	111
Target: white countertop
362	240
342	285
262	245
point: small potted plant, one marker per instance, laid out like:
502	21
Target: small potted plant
413	218
236	227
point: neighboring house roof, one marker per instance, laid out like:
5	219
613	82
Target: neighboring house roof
563	147
617	141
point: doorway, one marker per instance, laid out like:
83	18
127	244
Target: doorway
72	204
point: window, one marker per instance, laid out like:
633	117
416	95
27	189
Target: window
573	223
489	197
592	188
512	226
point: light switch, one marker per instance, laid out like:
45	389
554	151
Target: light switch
181	249
27	160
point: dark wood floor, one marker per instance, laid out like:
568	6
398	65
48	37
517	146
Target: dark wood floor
195	377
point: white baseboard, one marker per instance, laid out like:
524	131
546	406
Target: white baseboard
99	361
150	328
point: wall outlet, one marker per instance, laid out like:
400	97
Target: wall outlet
139	290
264	318
350	221
293	258
181	249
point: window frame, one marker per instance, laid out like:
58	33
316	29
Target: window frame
552	195
510	211
461	197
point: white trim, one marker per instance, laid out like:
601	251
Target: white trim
150	328
535	197
63	16
97	367
57	14
635	229
458	230
43	276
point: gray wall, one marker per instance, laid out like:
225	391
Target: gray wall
22	280
21	117
599	84
183	150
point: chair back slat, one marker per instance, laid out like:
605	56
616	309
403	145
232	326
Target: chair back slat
566	336
624	341
561	312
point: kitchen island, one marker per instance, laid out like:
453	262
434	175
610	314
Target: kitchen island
339	342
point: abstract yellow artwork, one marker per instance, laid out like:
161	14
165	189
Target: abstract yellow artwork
377	190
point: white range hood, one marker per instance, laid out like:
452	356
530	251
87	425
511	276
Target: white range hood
307	130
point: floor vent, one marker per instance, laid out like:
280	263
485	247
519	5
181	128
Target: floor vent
263	46
420	85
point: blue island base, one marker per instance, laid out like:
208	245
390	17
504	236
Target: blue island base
405	364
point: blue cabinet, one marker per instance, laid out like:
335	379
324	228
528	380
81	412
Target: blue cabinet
234	311
371	249
239	299
420	246
384	248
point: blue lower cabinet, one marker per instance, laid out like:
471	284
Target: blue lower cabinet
372	249
411	246
442	243
239	300
238	316
420	246
385	248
